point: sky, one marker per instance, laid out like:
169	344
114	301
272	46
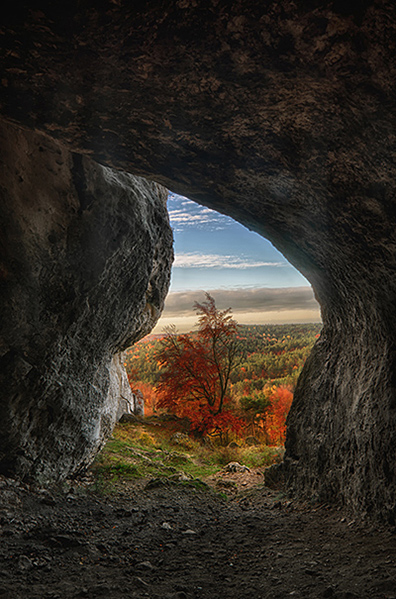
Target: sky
239	268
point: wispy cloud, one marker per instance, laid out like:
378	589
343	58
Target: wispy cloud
185	213
196	260
244	300
179	216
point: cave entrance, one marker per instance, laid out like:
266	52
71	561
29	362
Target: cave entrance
272	302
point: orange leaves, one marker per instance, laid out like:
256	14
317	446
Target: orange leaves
277	411
245	363
196	369
203	420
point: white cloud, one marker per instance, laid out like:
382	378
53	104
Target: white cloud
186	213
178	216
195	260
209	211
260	299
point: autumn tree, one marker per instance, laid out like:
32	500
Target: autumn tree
275	420
196	370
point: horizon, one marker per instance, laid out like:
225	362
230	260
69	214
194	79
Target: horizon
241	269
159	334
266	307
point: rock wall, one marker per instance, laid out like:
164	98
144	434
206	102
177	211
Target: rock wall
85	266
121	400
281	114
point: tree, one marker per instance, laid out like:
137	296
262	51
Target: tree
196	369
275	421
255	407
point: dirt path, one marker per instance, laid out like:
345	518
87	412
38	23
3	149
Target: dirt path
178	541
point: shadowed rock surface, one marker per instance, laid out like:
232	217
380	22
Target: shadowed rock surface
86	261
282	115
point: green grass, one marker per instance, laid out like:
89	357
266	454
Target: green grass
146	450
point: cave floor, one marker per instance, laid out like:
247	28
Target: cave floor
175	540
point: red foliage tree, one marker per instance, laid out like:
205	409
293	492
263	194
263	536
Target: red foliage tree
196	370
275	419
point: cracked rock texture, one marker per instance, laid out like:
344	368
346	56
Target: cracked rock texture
281	114
86	259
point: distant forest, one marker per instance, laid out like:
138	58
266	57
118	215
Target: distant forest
270	359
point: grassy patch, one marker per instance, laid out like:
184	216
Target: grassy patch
259	456
151	449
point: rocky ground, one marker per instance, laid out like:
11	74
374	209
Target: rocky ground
183	540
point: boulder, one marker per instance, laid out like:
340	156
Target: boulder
121	397
86	259
235	467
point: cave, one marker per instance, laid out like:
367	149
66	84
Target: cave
280	115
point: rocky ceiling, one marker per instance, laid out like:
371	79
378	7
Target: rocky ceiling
280	114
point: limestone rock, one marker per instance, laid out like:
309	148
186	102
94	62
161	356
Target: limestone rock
86	261
120	396
138	403
235	467
133	405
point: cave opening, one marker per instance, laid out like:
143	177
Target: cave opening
281	115
278	323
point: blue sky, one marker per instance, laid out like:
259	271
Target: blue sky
241	269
